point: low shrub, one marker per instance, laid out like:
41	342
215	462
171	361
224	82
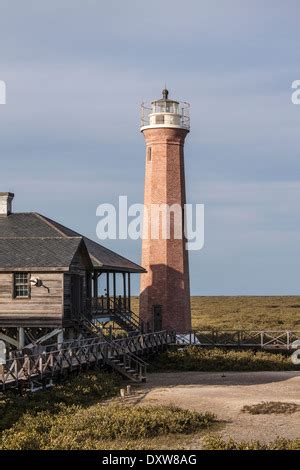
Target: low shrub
82	390
77	428
271	407
217	443
195	358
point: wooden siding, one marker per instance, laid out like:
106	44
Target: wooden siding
43	308
67	297
79	267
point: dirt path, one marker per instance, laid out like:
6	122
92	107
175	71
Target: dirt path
225	395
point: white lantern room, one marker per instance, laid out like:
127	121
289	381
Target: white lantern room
165	113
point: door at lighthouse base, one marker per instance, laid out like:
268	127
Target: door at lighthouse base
157	317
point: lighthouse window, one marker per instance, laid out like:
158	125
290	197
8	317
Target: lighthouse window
160	119
149	154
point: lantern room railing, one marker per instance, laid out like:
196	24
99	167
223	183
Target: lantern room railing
167	108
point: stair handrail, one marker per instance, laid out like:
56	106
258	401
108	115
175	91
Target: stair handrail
118	347
117	310
113	344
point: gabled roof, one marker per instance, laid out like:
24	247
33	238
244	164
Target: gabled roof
33	226
20	253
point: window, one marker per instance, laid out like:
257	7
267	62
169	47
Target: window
160	119
21	285
149	154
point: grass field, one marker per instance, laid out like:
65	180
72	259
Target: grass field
72	416
217	443
76	415
194	358
84	412
244	312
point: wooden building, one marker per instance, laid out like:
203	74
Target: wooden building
55	282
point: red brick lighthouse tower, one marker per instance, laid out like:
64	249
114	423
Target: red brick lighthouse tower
165	288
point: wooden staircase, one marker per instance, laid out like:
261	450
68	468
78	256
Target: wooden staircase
127	364
118	310
128	321
121	360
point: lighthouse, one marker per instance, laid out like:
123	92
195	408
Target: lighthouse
165	288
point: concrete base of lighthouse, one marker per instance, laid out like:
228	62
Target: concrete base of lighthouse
165	288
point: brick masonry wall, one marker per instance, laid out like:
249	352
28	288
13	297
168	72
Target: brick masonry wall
167	280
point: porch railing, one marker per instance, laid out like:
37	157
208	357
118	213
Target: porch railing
107	305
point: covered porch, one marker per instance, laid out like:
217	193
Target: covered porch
109	299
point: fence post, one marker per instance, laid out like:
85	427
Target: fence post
2	376
2	353
41	365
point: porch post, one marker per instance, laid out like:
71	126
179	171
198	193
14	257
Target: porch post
129	293
107	288
60	339
95	279
21	338
89	285
124	290
115	293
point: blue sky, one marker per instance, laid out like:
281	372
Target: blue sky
76	73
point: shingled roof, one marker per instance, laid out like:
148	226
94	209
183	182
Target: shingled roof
40	253
31	239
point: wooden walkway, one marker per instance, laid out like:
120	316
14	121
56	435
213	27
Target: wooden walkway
123	355
267	340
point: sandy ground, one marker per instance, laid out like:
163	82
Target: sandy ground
225	395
